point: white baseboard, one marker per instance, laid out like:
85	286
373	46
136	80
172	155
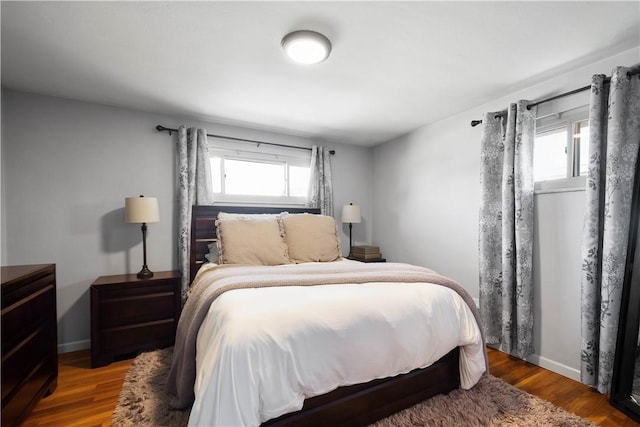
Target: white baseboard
74	346
554	366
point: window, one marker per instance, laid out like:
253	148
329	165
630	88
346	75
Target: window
260	177
561	150
550	155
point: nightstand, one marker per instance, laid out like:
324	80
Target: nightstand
130	315
368	260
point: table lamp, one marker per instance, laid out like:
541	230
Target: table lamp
351	214
142	210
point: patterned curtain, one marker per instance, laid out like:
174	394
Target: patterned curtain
506	229
614	121
194	187
320	193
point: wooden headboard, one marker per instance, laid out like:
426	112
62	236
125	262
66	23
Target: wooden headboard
203	227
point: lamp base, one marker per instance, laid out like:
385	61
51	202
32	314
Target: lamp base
350	242
145	273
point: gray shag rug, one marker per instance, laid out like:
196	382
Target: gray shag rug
492	402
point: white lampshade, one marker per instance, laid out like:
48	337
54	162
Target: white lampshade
141	209
351	213
306	47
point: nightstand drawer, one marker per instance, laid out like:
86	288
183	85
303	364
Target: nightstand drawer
136	309
126	339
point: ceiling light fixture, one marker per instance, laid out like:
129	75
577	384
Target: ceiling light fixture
306	47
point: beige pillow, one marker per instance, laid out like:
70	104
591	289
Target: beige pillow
254	241
311	238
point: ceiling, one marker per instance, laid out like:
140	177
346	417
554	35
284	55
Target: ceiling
395	66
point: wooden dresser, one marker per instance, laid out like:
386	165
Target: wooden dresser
29	338
130	315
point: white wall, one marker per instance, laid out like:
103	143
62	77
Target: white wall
3	225
557	265
426	201
351	169
67	167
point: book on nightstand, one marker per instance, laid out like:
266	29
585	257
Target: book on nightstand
366	253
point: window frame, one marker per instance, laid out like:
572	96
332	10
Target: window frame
279	156
568	120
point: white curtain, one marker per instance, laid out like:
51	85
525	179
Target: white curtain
320	193
194	188
506	229
614	127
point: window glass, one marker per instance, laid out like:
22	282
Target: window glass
550	155
254	178
216	173
298	180
581	138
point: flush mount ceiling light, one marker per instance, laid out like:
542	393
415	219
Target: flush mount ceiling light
306	47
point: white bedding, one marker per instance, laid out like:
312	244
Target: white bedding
262	351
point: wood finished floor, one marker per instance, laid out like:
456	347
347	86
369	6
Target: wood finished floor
87	397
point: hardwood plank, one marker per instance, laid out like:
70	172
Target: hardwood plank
84	396
88	397
566	393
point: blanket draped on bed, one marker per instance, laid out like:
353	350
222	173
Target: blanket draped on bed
211	282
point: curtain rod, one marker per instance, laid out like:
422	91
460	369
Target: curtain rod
475	123
631	72
161	128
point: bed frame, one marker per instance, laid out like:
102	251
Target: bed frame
356	405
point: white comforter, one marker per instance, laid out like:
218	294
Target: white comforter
262	351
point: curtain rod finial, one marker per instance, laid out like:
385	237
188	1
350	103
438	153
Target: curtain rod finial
161	128
475	123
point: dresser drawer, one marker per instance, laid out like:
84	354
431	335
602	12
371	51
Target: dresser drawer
19	364
21	289
27	396
24	316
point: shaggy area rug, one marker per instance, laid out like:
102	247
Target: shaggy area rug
492	402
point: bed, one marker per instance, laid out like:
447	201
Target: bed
356	402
